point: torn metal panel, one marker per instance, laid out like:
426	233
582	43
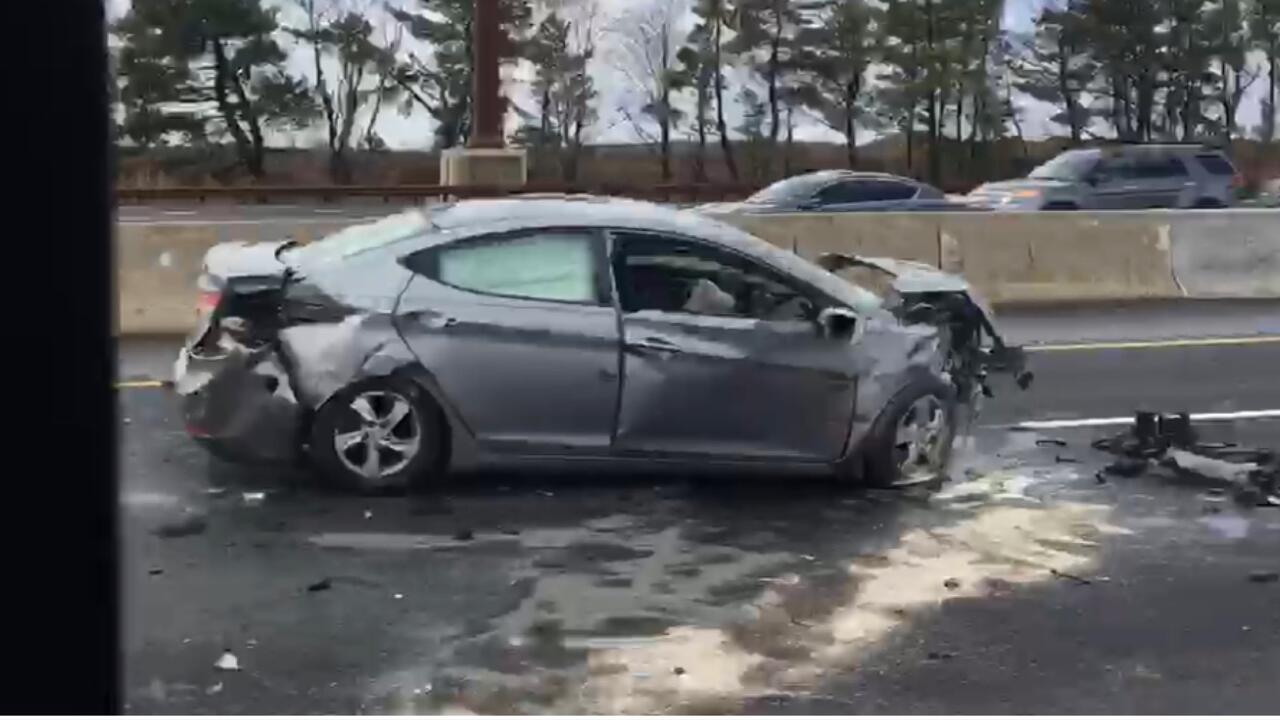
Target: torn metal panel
326	357
920	293
240	404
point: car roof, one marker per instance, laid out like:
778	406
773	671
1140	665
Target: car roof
468	218
857	175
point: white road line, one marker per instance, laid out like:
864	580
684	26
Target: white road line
1142	344
1128	420
180	212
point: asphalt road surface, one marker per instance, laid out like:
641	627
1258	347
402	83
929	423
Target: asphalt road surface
1023	586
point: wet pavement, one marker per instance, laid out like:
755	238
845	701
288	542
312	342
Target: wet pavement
1023	586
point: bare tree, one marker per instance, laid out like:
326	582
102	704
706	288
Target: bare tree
340	30
644	42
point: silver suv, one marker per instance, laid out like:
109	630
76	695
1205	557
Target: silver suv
1122	177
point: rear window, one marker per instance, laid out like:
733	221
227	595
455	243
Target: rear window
1216	164
359	238
542	265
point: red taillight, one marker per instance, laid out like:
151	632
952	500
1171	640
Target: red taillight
207	300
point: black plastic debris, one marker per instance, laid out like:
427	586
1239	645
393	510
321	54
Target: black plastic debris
320	586
679	671
155	571
1264	576
1055	442
1170	441
943	655
1068	576
951	584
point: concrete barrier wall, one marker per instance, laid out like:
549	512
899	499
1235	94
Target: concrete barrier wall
1233	254
1054	257
157	266
1010	258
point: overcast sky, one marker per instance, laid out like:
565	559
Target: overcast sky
618	98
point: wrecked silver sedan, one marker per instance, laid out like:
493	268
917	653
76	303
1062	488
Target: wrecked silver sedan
539	330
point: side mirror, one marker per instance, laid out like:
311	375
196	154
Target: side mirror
810	204
837	322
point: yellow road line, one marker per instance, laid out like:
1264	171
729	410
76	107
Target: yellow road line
139	384
1136	345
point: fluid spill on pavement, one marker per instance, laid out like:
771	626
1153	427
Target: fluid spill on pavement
658	638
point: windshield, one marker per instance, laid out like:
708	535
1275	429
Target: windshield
1067	166
788	191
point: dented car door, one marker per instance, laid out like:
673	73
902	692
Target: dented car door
722	357
520	334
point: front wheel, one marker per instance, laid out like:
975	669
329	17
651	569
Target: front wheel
910	443
380	435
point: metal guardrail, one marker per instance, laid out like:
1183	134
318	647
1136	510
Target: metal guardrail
266	194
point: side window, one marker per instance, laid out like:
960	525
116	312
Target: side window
1115	168
556	265
1216	164
861	191
1156	167
842	193
671	275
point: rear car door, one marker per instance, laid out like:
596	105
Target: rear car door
520	333
1114	186
1162	180
722	357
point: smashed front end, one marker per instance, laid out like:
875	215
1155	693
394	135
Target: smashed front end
919	294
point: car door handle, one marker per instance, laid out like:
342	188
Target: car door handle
654	344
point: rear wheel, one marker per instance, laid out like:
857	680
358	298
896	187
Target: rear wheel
379	435
910	443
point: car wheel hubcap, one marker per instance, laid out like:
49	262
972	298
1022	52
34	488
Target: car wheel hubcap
921	437
381	436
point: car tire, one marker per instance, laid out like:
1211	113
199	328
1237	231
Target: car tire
392	418
892	458
1209	204
1062	207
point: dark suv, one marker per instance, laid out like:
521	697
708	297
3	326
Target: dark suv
1122	177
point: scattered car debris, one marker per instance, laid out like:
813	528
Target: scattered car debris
213	689
320	586
1101	477
1169	441
678	671
944	655
1055	442
253	498
951	584
368	514
1064	459
398	596
1069	576
1264	576
215	491
227	661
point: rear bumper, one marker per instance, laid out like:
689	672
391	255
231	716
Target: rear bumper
240	406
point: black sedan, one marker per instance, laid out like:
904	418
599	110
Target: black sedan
841	191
